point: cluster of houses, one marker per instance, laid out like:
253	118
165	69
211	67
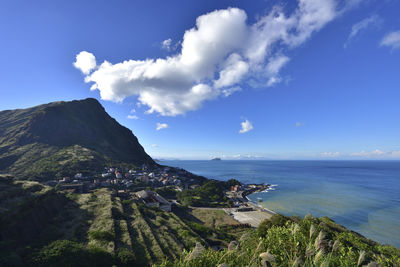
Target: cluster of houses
156	177
123	178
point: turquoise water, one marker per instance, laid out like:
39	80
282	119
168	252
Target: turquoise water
361	195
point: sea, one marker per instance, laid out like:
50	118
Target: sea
364	196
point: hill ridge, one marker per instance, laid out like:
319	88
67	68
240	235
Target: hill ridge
30	136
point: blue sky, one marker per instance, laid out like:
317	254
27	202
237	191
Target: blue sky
309	79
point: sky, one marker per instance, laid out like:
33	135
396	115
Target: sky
239	79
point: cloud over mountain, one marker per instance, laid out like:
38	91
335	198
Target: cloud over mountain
220	52
85	62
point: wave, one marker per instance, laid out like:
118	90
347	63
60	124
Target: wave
270	188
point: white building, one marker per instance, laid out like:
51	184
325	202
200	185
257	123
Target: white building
152	199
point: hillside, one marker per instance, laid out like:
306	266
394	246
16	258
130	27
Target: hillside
43	226
61	138
40	225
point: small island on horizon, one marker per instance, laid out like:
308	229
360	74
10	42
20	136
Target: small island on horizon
216	159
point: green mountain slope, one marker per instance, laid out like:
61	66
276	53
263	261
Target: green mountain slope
43	226
60	138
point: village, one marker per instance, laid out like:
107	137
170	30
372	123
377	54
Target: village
126	179
141	183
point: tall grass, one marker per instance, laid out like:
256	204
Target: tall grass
306	242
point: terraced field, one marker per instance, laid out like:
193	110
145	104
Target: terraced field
125	229
150	234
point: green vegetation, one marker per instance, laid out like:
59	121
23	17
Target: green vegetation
62	138
210	194
167	192
287	241
43	226
215	229
213	217
69	253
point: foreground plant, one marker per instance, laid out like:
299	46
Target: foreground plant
293	242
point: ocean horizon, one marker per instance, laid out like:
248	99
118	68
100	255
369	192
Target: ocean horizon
362	195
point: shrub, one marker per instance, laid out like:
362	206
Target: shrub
125	257
275	220
100	257
210	193
68	253
102	235
292	242
63	253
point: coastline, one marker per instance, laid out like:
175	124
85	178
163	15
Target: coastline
245	211
321	188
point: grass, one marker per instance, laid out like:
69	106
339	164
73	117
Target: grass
213	218
35	219
103	223
284	241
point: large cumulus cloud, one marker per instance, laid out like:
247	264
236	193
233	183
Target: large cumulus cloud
221	52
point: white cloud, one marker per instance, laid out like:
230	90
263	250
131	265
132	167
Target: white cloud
392	40
299	124
133	110
395	154
362	25
273	80
85	62
276	63
154	145
228	91
330	154
166	44
233	71
161	126
133	117
220	52
246	126
366	154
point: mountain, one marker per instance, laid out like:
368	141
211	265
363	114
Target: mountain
61	138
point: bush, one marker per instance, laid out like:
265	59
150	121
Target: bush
211	193
100	257
125	257
102	235
63	253
202	230
126	202
293	242
275	220
167	192
68	253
